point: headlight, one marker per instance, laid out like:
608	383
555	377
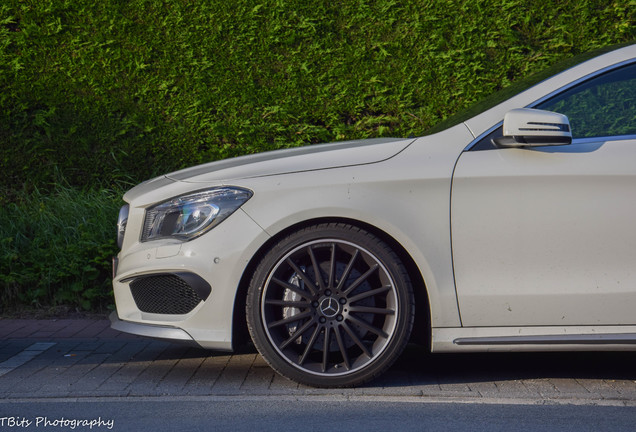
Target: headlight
121	225
189	216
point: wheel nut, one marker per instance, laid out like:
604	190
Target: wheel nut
314	304
343	300
323	320
328	292
339	318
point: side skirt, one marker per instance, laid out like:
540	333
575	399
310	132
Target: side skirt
610	338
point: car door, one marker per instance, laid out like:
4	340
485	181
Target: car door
546	236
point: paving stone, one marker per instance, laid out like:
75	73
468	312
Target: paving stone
624	387
121	366
282	385
110	346
22	332
259	377
569	387
93	329
92	376
147	381
176	379
108	333
10	348
65	375
512	388
205	377
543	387
9	327
600	388
429	389
234	374
69	328
40	370
454	387
92	345
485	389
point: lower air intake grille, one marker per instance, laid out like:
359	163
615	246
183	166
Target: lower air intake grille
164	294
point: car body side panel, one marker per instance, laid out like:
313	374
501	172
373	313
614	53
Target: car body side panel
407	197
546	236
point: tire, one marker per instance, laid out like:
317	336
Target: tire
330	305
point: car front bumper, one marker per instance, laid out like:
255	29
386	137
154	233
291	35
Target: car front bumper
150	330
216	260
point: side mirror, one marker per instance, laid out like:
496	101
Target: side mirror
527	127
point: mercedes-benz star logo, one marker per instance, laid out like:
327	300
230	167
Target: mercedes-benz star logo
329	307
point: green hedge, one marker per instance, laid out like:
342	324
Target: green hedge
56	249
95	94
110	90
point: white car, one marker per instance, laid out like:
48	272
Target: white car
507	231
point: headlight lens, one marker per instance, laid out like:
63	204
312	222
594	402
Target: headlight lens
189	216
121	224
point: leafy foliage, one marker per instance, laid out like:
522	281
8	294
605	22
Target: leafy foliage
56	249
110	92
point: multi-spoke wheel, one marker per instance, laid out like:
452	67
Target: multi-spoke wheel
330	305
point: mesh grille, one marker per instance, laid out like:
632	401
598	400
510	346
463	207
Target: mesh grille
164	294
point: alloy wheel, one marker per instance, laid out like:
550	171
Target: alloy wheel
329	307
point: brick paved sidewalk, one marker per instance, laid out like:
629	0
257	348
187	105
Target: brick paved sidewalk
85	358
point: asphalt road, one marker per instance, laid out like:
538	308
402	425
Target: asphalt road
80	369
306	414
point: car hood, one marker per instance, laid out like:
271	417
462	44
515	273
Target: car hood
308	158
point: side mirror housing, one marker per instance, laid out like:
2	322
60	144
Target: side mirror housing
527	127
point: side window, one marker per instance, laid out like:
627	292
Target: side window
601	107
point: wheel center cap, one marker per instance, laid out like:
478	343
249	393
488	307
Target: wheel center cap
329	307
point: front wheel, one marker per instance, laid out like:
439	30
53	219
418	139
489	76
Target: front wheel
330	305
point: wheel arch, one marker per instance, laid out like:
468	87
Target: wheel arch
421	332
